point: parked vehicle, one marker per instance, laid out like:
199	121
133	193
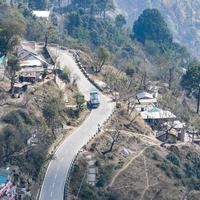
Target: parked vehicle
19	88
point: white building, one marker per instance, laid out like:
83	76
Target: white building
145	98
41	13
157	114
145	101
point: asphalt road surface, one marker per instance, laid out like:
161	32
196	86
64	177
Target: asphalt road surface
54	181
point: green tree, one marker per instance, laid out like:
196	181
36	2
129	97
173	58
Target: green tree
12	26
72	22
11	143
37	4
35	30
103	56
151	26
10	30
103	6
11	69
52	112
120	21
191	81
48	34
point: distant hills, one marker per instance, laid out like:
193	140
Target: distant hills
182	16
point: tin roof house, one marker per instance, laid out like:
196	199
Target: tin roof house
156	116
29	58
33	66
145	98
145	101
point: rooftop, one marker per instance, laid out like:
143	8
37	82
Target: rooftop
3	176
144	95
147	101
156	113
28	63
41	13
2	59
176	124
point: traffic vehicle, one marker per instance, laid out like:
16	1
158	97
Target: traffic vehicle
94	100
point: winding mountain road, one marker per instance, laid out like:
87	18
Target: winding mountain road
56	174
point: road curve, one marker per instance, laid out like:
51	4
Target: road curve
54	181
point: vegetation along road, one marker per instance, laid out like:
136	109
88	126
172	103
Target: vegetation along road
54	181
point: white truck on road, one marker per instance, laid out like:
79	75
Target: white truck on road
94	100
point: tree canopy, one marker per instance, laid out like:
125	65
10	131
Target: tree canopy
151	26
120	21
88	22
12	25
38	4
103	56
11	69
191	81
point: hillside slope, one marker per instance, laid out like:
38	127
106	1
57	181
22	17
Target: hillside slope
183	17
137	168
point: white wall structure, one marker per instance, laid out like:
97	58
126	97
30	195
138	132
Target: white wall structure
41	13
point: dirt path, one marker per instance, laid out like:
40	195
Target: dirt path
147	180
143	138
126	166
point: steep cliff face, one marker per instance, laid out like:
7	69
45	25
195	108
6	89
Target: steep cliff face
182	16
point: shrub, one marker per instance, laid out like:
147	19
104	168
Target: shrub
173	158
193	157
113	196
165	167
26	117
156	156
72	113
189	169
192	166
11	142
18	118
194	184
101	180
88	193
130	71
176	172
104	176
97	163
64	75
13	118
32	162
76	168
119	165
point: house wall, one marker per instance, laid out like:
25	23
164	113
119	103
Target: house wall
162	138
171	139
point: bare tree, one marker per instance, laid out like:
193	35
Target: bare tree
11	70
119	83
115	138
103	57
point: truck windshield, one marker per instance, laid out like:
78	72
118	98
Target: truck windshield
94	96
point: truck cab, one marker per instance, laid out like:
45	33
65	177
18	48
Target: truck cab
94	100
